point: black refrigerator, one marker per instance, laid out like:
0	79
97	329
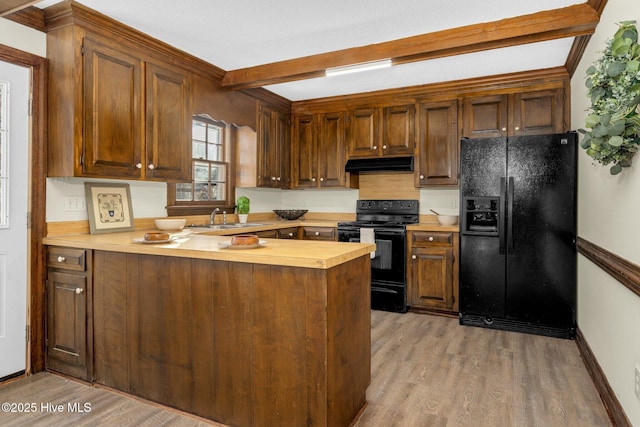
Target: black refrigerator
517	233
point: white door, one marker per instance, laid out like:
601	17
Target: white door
14	192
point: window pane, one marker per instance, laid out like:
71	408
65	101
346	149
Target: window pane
215	152
201	171
204	191
184	192
199	150
199	131
214	134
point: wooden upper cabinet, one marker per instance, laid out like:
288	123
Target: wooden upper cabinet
398	136
168	124
305	166
114	112
486	116
113	127
385	131
363	132
273	148
523	113
319	151
538	112
437	151
331	150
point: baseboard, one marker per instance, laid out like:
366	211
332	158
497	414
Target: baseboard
611	403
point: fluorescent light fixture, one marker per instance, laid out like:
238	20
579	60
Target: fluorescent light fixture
355	68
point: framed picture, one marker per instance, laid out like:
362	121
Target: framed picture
109	207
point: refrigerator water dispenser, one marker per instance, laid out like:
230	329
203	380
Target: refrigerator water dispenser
481	215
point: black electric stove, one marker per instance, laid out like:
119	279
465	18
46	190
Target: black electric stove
388	219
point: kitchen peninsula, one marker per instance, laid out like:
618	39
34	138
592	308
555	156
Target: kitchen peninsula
276	335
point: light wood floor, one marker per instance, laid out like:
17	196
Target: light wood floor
426	371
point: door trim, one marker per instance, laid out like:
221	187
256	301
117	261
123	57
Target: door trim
36	223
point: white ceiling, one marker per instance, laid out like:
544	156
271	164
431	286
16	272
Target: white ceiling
235	34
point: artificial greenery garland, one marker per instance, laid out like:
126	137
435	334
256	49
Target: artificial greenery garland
613	83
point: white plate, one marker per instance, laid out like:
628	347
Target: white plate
142	240
227	245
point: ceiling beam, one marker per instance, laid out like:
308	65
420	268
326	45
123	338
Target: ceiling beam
10	6
570	21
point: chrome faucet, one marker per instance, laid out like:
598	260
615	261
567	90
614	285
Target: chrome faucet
212	217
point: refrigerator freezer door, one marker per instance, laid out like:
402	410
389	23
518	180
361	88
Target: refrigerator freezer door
541	261
482	267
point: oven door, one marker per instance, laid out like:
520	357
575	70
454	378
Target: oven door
388	272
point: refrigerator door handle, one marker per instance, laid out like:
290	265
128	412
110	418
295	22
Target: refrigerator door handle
503	193
510	216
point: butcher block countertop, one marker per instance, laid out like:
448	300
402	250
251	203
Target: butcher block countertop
204	243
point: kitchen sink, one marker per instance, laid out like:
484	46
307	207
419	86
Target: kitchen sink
225	226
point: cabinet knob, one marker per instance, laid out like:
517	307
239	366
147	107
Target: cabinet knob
517	127
290	234
504	129
384	147
151	166
431	238
313	180
421	176
79	291
413	257
139	165
317	233
273	178
61	259
321	179
278	178
375	147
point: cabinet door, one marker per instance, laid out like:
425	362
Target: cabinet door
112	115
398	130
267	148
67	323
438	143
304	152
331	150
283	158
485	116
363	132
432	278
538	112
168	124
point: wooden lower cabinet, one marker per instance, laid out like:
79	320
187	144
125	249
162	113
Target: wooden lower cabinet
319	233
242	344
288	233
433	271
69	339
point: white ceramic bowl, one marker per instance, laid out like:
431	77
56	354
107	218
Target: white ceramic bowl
447	219
170	223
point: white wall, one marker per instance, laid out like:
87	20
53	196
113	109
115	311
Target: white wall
23	38
608	213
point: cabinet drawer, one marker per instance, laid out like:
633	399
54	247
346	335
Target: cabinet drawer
431	238
319	233
288	233
67	258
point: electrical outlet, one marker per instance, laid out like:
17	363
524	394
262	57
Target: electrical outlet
637	382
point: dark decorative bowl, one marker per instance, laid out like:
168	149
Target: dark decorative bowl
290	214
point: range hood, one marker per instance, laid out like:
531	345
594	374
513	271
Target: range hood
397	164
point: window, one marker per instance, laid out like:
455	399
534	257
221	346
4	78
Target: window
4	153
210	186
